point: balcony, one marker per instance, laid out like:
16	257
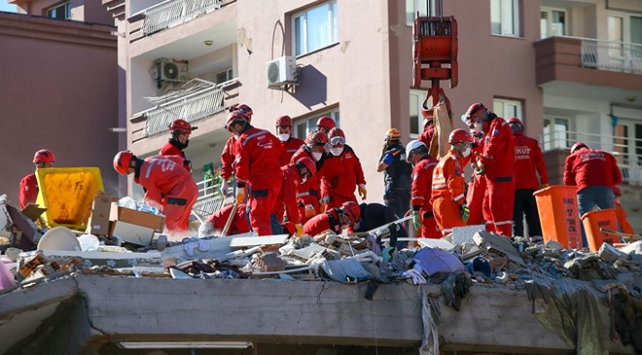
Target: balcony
210	198
556	146
196	100
173	13
589	61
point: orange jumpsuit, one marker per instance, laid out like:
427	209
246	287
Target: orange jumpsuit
448	192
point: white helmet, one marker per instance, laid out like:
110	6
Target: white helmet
414	145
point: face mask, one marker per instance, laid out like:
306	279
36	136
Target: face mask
316	156
336	151
466	152
477	127
284	137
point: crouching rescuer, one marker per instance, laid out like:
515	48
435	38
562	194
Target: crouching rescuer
334	219
168	185
423	164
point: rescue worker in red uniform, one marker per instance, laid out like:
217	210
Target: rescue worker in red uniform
529	160
423	164
621	212
290	144
594	173
341	173
229	154
308	194
334	219
477	184
180	131
293	175
325	124
215	223
496	164
29	184
256	165
448	184
169	187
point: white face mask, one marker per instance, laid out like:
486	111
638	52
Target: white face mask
284	137
336	151
316	156
477	127
466	152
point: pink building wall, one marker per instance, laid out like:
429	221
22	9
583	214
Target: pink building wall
58	91
81	10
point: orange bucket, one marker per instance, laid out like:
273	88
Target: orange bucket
559	216
593	221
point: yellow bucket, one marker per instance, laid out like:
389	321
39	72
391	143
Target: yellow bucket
68	194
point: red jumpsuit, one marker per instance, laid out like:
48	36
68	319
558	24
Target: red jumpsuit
169	185
308	192
227	158
499	160
286	202
421	193
427	134
289	148
171	148
477	186
339	177
257	164
448	186
28	190
239	222
322	222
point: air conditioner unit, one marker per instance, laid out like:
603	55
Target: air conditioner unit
281	71
173	70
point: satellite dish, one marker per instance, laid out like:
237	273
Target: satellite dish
59	238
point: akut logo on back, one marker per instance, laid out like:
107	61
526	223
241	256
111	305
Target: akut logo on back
522	152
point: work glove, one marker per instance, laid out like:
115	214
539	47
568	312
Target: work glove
205	229
322	206
299	230
310	211
363	192
240	194
480	168
225	190
465	212
545	186
417	221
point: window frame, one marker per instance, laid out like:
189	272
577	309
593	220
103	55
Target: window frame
626	24
333	28
504	101
550	145
421	96
229	75
64	4
516	18
549	20
310	122
422	7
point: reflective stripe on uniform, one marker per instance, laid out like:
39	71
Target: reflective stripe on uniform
503	222
252	136
458	197
149	168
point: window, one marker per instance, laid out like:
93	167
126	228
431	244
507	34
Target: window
556	133
315	28
62	11
552	22
504	17
412	6
417	97
306	126
508	108
225	75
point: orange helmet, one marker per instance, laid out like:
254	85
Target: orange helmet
393	134
181	126
316	138
284	121
308	163
236	116
336	136
577	146
326	122
458	135
44	156
122	161
516	124
244	109
352	210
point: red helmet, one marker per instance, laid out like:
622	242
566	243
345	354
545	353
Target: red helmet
122	160
393	134
316	138
473	109
326	122
516	124
181	126
244	109
336	136
236	116
577	146
352	210
44	156
308	163
458	135
284	121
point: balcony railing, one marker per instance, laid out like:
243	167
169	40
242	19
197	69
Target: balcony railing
613	56
210	198
196	100
622	148
169	14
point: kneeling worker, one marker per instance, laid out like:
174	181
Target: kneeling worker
334	219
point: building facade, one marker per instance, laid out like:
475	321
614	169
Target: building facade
562	67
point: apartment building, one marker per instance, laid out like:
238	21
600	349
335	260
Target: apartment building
569	69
